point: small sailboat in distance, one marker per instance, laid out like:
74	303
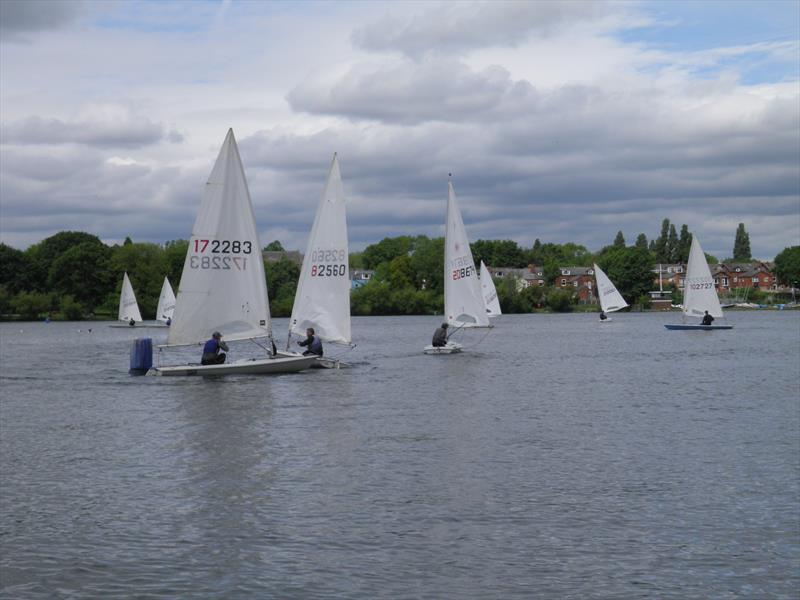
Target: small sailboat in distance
699	294
128	307
610	298
489	293
463	301
166	303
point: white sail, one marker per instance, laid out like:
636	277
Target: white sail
610	298
166	302
223	287
322	300
489	293
699	293
463	301
128	307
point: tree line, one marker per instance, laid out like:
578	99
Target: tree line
77	276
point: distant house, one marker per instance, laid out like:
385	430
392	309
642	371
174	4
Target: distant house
359	277
581	279
272	256
526	277
732	276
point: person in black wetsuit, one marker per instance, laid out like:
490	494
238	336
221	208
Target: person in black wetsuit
313	342
603	316
707	319
440	336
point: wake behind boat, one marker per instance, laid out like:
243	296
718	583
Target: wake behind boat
223	287
699	294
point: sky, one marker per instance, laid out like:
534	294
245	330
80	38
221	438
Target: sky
565	121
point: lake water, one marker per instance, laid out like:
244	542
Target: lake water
556	458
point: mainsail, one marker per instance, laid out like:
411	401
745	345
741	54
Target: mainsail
489	293
223	287
322	300
128	307
610	298
463	301
166	302
699	293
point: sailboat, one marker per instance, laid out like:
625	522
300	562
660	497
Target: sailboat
489	293
166	303
223	287
699	293
610	299
322	300
128	307
463	300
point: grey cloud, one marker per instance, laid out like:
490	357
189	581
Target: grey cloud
408	92
460	26
23	16
126	132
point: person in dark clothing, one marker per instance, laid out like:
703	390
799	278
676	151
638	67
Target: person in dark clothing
313	342
211	351
603	316
440	336
131	322
707	319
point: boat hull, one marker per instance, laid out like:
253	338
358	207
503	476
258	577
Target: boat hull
678	327
140	326
256	366
449	348
320	362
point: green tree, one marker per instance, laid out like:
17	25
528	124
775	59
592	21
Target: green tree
619	241
631	270
14	269
386	250
787	266
400	273
82	273
72	310
174	256
661	246
42	255
356	260
641	241
427	264
30	305
146	266
684	245
672	245
5	301
274	246
282	277
499	253
560	300
741	245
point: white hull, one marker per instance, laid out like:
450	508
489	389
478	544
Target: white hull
449	348
255	366
320	362
140	325
606	320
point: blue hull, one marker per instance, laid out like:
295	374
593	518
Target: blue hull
697	327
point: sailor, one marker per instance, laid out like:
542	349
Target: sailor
313	342
440	336
707	319
211	351
132	322
169	321
603	316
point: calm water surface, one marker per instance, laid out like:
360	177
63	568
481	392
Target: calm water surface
556	458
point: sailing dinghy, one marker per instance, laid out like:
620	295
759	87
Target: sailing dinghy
610	298
223	287
489	293
463	301
699	293
166	303
322	300
128	307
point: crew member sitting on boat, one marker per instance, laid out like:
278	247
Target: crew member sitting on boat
440	336
603	316
132	322
707	319
313	342
211	351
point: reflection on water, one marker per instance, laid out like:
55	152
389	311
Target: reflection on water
555	458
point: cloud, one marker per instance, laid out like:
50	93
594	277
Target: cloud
456	27
18	17
105	126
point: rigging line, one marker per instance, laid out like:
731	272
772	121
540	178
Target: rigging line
488	331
